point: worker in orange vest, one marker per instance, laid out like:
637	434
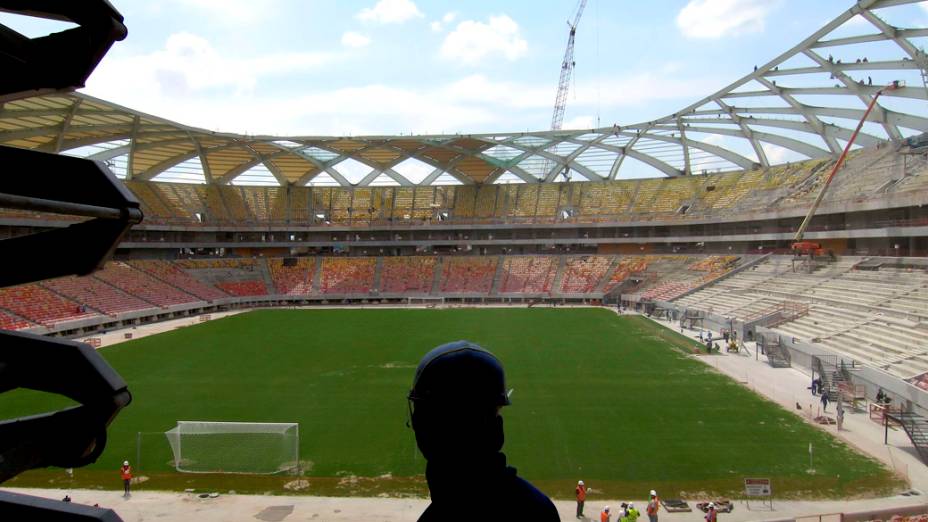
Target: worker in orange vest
126	473
654	505
605	516
581	497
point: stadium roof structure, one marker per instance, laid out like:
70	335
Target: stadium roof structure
802	104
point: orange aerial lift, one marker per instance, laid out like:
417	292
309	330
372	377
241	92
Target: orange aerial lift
799	246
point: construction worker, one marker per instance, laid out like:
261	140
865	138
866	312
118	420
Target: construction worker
126	473
605	516
631	514
581	497
654	505
711	515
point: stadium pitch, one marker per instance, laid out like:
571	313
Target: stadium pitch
616	401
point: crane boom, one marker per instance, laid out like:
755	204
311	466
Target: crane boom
798	243
567	68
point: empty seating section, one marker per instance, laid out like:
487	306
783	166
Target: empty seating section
407	274
189	198
485	206
298	205
41	306
173	275
548	197
347	275
876	317
526	201
625	268
293	276
528	274
648	190
243	288
215	208
152	205
582	274
673	195
10	322
257	201
591	198
468	275
168	193
96	294
232	196
143	285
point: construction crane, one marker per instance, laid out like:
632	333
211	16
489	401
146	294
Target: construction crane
560	101
809	247
567	68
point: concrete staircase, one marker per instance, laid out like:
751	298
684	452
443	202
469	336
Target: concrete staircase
556	285
316	279
378	274
497	277
436	277
266	276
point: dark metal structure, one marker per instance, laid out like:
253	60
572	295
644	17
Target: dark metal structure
74	436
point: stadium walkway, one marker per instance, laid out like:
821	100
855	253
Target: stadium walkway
184	507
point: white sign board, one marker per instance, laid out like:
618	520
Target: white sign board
757	487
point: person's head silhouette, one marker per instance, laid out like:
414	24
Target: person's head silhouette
455	401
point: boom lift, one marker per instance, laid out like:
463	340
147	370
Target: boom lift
799	246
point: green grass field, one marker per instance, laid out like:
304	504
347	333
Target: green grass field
616	401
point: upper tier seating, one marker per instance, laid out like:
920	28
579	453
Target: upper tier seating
869	173
408	274
468	275
40	305
347	275
97	294
583	274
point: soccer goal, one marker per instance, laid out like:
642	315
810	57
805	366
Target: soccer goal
235	447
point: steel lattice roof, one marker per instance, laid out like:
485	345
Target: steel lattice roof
805	102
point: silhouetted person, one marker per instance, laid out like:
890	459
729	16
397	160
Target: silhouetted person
455	403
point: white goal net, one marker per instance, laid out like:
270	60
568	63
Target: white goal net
235	447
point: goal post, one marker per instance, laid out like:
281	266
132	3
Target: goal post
235	447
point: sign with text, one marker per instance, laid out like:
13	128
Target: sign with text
757	487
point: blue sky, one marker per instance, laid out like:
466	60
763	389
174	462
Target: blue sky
298	67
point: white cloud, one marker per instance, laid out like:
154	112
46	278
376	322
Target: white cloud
438	25
191	82
390	12
353	39
188	64
471	40
718	18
